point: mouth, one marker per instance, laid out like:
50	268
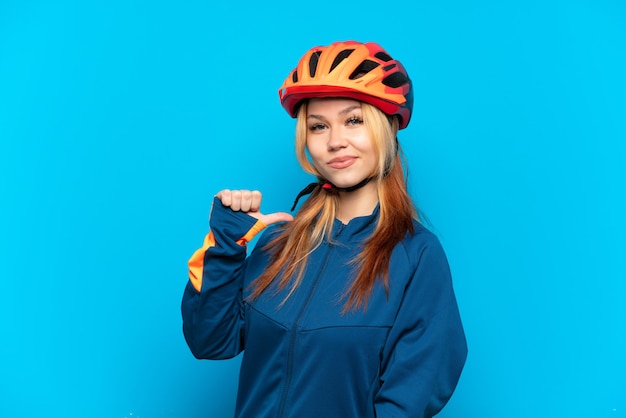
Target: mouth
342	162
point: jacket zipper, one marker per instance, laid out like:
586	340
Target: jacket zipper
292	339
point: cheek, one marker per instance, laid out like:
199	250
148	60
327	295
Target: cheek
365	145
314	149
311	155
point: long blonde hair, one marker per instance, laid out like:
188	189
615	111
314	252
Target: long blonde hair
291	248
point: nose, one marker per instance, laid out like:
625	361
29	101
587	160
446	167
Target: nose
336	140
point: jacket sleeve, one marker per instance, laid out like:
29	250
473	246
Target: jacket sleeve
426	348
212	305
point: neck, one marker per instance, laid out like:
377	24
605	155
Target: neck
361	202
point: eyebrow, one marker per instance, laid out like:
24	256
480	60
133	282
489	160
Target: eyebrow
341	112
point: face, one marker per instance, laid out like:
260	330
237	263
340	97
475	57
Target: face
340	145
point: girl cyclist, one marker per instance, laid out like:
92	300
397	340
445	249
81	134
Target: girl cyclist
347	309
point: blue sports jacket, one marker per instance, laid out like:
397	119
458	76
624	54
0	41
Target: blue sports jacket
401	357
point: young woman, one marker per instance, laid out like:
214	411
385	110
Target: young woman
346	310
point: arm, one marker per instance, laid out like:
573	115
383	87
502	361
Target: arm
426	347
212	302
212	306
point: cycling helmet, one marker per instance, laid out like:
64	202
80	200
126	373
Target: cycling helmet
360	71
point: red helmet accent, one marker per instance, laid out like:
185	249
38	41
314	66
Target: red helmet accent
360	71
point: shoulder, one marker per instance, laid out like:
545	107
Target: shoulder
422	245
421	238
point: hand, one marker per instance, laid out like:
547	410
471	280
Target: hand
250	202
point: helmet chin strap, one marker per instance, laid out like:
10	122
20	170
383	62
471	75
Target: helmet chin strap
329	187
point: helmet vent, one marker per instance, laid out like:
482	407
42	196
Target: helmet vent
395	80
364	68
389	67
340	57
313	63
294	76
382	56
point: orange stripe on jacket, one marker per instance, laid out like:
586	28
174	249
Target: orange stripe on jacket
256	228
196	262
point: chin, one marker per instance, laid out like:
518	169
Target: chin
344	182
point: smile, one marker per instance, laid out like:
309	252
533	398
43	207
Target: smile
342	162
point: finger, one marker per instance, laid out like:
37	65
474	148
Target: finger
236	200
246	200
225	196
273	218
255	203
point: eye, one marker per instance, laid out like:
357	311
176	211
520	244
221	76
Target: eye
354	120
316	127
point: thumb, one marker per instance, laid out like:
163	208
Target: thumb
276	217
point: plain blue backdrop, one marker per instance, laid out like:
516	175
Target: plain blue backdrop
119	120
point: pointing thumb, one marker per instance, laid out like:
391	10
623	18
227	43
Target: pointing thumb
273	218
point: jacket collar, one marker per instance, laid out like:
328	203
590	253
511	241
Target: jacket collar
360	227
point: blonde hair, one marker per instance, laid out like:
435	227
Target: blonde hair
314	222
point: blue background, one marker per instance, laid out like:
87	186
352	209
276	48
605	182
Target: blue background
120	119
